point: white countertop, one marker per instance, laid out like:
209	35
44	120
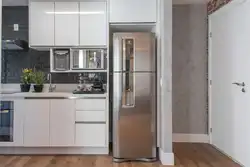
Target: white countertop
66	95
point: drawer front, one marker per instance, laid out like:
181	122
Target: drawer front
91	104
91	116
90	135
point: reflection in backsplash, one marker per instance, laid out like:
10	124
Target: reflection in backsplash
14	61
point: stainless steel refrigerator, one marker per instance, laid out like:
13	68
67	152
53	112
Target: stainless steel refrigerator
134	97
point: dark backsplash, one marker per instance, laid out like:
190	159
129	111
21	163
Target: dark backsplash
14	61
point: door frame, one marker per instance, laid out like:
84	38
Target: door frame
209	54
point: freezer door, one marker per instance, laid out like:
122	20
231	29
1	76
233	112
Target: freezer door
136	49
134	118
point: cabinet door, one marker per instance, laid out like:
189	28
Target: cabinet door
91	135
130	11
67	23
36	123
62	123
41	23
93	24
18	122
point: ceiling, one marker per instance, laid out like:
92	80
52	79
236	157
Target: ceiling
25	2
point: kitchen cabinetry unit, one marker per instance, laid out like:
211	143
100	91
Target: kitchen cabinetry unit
67	23
93	24
91	129
62	120
131	11
57	123
41	23
55	24
36	123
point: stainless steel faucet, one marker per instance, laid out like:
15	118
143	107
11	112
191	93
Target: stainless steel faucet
52	88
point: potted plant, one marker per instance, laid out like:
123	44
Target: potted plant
38	79
26	79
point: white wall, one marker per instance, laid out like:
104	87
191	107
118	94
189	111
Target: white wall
164	29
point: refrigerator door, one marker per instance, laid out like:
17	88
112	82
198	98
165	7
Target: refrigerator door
134	119
140	47
134	116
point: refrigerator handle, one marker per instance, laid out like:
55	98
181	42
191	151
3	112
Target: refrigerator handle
128	97
124	54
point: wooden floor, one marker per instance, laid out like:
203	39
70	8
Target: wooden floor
186	155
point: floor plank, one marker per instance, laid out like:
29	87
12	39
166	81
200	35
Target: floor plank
186	155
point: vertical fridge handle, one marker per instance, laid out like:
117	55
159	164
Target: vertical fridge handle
124	51
128	99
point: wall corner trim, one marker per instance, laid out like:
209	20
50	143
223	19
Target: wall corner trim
166	158
191	138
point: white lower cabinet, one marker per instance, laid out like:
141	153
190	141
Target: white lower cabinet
36	123
62	122
58	123
18	123
91	104
91	116
90	135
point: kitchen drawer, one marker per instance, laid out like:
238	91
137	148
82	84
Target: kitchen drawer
91	104
91	116
90	135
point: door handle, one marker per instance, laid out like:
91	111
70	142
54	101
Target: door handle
128	94
239	84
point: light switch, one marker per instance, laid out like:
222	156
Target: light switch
16	27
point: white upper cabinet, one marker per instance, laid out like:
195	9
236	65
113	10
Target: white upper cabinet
66	23
62	122
132	11
93	24
41	23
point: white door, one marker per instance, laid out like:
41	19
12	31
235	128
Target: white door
67	23
62	122
41	23
93	24
36	123
230	65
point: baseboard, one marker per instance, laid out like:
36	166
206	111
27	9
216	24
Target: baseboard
190	138
166	158
54	150
227	155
